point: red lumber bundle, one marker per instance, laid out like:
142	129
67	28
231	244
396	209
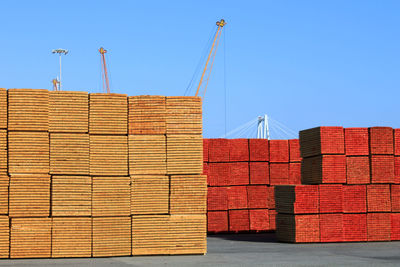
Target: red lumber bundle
217	221
205	171
218	150
279	173
298	228
239	173
382	169
271	197
378	198
259	173
396	179
238	149
278	151
294	173
355	227
354	198
358	170
321	141
237	197
325	169
381	140
395	197
397	142
378	225
294	150
257	196
330	198
259	220
205	149
218	174
272	219
217	198
395	223
259	150
356	141
331	227
239	220
297	199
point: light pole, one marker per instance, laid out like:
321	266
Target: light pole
60	52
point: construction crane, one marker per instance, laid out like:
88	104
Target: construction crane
106	85
56	84
207	69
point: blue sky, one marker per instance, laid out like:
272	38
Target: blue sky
304	63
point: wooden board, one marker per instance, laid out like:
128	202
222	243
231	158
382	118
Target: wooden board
30	238
184	115
149	194
72	237
29	195
111	196
108	114
71	196
68	112
112	236
28	152
147	154
28	110
184	154
69	153
108	155
168	234
4	184
4	236
147	114
3	151
3	108
188	194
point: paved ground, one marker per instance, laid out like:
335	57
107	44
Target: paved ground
251	250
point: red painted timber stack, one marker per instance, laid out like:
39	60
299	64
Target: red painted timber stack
356	172
242	174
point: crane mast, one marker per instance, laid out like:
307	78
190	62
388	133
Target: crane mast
212	53
106	85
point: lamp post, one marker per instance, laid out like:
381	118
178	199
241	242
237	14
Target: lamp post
60	52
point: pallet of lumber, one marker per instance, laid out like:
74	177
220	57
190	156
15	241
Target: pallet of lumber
69	153
168	234
108	155
29	195
68	112
147	114
4	185
184	115
3	151
28	152
322	140
112	236
4	236
298	228
28	110
3	108
111	196
150	194
188	194
184	154
30	238
147	154
71	237
108	114
71	195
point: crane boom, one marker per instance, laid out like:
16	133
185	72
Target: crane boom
213	51
106	85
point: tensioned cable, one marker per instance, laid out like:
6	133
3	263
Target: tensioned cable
225	92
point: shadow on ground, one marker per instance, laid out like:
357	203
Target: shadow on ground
256	237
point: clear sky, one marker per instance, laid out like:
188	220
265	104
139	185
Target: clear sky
304	63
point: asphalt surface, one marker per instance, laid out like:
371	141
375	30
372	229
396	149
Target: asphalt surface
250	250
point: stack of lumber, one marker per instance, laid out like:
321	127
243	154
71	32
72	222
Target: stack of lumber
108	114
68	112
28	110
77	170
242	174
351	175
71	195
69	153
147	115
71	237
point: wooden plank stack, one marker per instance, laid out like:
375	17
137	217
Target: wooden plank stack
86	175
